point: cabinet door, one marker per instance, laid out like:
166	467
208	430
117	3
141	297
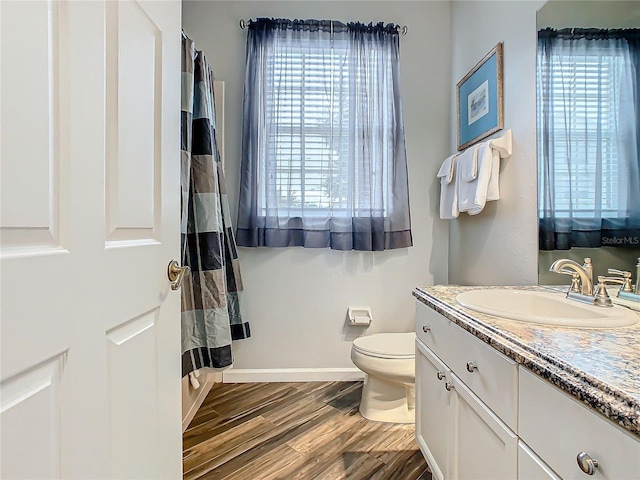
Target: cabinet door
483	446
433	415
531	467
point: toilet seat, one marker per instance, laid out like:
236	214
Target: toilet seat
387	345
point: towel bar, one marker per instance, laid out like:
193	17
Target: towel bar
503	144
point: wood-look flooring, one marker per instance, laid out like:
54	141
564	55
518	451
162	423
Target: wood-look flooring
259	431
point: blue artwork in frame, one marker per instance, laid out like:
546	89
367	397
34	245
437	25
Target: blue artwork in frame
479	96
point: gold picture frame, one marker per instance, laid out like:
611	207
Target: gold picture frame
480	92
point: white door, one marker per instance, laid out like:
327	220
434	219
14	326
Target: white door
90	348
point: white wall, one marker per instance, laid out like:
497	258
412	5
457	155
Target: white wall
500	246
590	14
296	299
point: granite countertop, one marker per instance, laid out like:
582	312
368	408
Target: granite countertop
600	367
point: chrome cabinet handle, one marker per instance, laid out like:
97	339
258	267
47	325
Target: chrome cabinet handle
176	274
587	464
440	375
425	328
471	367
448	386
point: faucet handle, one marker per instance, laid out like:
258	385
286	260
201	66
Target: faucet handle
602	298
622	273
575	283
626	279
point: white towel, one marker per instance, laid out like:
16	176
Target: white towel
493	192
448	189
477	166
467	175
468	164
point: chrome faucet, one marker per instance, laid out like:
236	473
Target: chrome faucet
569	267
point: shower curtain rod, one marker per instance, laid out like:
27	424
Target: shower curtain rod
245	23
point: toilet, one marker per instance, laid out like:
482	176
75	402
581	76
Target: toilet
388	361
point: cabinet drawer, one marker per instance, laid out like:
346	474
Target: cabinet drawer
494	377
558	428
433	330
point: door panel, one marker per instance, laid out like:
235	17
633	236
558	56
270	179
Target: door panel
90	344
34	135
32	402
133	450
134	139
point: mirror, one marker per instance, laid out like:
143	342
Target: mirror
601	14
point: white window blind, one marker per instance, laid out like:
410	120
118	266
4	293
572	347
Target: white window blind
309	94
584	105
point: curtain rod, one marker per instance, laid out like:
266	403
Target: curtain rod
245	23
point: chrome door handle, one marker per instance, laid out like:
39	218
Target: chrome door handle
471	367
587	464
425	328
176	274
440	375
448	386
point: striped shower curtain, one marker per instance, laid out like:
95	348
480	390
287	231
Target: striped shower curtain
211	316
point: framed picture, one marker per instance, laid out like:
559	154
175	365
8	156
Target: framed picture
479	99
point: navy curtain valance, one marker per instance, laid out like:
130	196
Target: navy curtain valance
321	26
590	33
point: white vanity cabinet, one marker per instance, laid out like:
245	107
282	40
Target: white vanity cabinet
481	416
460	436
558	428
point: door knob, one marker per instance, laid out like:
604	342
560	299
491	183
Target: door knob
471	367
440	375
176	274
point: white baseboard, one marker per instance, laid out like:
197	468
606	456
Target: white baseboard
255	375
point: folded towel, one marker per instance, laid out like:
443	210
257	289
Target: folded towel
467	171
448	189
468	164
472	195
493	192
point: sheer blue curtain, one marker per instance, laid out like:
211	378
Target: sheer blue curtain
588	141
323	148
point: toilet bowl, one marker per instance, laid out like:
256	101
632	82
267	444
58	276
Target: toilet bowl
388	361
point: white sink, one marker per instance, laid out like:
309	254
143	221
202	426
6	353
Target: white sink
545	308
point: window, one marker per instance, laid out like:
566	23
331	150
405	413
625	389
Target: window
585	101
307	90
588	165
323	162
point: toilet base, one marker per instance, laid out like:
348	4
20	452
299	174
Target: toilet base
387	402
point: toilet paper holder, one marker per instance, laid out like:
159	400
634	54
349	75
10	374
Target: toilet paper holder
359	316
